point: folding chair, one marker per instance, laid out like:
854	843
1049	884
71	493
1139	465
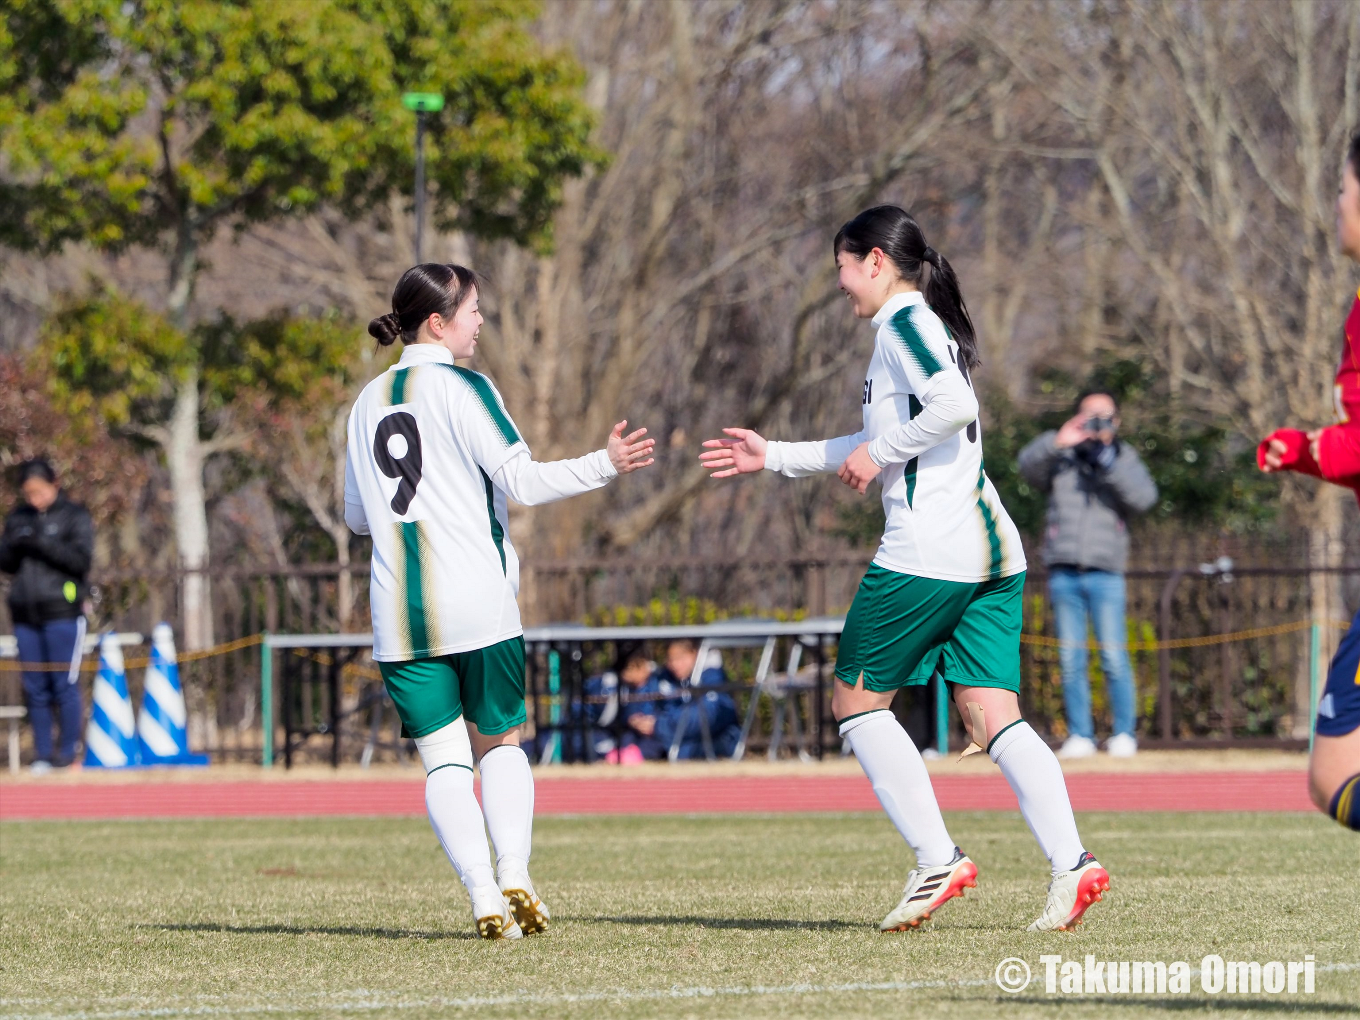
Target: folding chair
783	690
693	690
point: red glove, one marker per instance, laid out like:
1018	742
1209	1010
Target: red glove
1295	457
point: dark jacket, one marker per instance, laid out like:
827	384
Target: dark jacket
719	711
49	555
1091	494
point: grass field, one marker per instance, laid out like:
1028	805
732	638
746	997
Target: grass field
661	916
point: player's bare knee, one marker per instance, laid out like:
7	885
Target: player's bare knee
484	742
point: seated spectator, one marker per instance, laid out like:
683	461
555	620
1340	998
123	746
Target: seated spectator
624	723
718	708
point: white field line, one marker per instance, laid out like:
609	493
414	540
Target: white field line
362	1001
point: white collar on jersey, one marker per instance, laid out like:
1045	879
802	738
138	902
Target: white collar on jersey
895	304
425	354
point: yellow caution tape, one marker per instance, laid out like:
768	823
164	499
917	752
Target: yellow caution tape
90	665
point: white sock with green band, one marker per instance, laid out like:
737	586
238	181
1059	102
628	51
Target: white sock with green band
457	821
901	783
1033	772
508	802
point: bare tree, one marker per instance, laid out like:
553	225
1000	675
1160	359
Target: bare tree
1217	131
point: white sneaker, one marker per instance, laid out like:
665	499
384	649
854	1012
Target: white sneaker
1077	747
40	768
927	889
1122	745
530	913
492	914
1070	893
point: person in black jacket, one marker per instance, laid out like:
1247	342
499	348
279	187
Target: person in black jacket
47	545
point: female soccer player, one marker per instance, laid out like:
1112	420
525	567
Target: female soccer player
432	457
1333	454
944	590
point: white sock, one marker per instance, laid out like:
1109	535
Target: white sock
1037	779
508	802
901	782
457	821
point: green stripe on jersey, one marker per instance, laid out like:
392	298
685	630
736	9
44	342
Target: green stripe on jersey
497	532
398	393
490	405
989	525
416	581
913	409
914	343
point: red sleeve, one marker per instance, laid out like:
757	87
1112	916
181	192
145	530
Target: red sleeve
1339	453
1296	456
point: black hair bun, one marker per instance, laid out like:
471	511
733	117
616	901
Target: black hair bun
386	329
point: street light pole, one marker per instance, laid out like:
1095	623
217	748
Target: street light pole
421	103
420	181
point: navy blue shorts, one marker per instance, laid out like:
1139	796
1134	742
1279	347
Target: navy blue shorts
1339	710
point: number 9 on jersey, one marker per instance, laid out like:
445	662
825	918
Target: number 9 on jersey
396	450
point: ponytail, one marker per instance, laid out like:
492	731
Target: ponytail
897	234
946	300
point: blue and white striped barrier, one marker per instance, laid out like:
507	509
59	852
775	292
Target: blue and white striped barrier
110	739
161	726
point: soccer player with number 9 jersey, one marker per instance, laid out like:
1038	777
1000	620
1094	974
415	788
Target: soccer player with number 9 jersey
433	457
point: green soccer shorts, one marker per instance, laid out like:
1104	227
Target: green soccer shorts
901	628
486	684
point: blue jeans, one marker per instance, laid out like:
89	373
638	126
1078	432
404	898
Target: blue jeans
1099	595
52	691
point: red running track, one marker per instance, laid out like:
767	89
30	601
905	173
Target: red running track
1192	791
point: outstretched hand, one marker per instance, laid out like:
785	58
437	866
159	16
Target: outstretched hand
628	453
741	454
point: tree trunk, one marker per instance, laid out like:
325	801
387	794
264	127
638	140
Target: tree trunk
339	437
184	458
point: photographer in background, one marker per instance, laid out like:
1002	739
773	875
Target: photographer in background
1095	484
47	545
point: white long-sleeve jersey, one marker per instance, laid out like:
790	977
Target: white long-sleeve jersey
944	518
432	458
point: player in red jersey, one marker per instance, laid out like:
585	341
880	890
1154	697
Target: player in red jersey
1333	454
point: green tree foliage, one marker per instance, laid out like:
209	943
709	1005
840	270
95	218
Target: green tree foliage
108	359
157	121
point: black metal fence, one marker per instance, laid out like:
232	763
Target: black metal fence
1251	688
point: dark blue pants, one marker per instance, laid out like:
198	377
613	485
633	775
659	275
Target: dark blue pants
52	691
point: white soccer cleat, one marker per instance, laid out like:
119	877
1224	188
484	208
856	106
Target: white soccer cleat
1077	747
1070	893
493	915
530	913
927	889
